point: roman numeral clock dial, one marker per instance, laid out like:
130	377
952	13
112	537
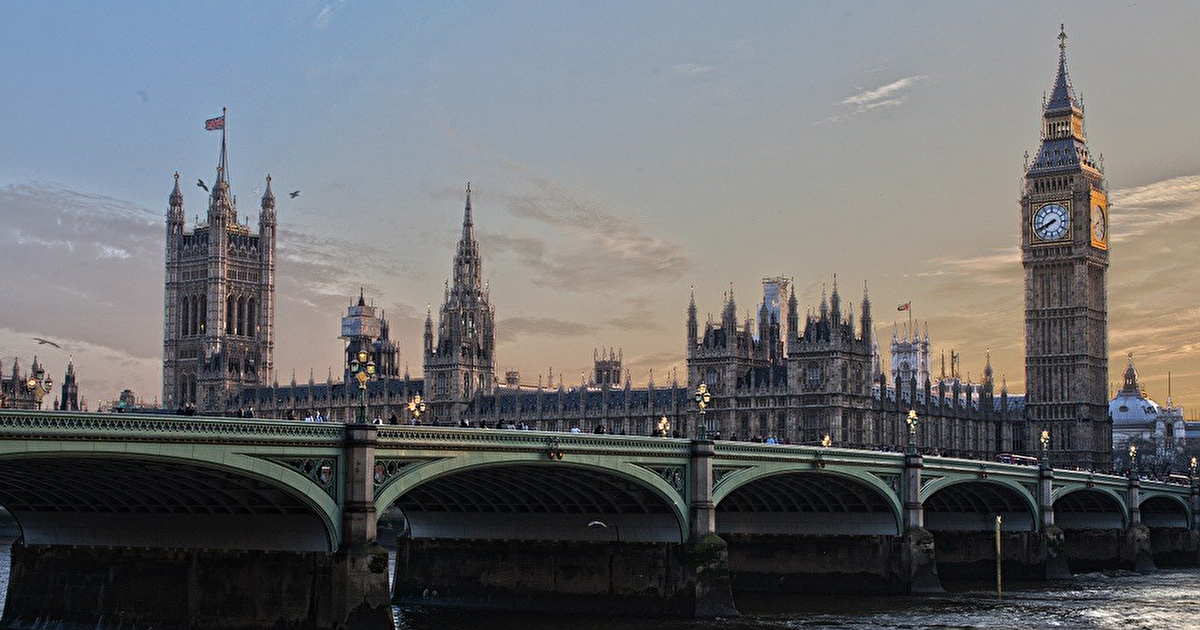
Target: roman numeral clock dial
1051	222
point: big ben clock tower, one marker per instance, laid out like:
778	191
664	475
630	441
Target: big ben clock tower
1064	251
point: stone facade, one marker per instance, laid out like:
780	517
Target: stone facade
821	380
219	306
1064	251
13	392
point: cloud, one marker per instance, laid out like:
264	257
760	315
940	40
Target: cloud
322	19
692	69
1141	209
885	96
595	250
513	328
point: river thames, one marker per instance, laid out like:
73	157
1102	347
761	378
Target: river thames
1165	599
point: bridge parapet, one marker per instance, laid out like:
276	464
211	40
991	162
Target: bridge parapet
129	427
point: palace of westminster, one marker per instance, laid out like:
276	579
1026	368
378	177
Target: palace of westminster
795	376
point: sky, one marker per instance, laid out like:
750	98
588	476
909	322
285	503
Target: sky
620	153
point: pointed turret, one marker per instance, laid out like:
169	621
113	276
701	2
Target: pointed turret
835	303
428	330
793	311
176	202
1131	384
868	331
268	198
824	304
692	323
729	314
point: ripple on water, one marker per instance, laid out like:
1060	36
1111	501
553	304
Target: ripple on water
1104	601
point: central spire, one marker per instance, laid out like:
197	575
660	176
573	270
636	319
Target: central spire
467	263
1062	96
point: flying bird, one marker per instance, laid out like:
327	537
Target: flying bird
294	194
200	183
46	342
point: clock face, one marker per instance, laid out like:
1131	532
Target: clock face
1051	222
1099	224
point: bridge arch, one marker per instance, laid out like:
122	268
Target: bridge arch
527	496
1082	507
1160	509
971	504
818	501
144	494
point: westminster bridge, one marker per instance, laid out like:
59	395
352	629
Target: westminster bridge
168	521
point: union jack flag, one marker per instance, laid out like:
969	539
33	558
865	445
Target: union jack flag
215	124
907	306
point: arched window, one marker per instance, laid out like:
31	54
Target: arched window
251	319
229	314
183	318
192	308
241	321
202	316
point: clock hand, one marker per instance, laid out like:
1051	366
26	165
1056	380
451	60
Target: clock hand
1048	223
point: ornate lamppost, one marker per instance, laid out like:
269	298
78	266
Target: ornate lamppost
1045	439
363	369
1133	467
703	398
826	441
416	407
664	426
912	431
39	385
1192	467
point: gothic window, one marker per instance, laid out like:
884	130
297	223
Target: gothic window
193	316
251	320
814	376
183	316
466	385
229	315
241	317
711	378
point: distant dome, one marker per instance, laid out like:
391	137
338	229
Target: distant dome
1131	405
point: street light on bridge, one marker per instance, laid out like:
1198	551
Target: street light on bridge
1045	448
664	426
416	407
703	398
39	385
912	430
363	368
1133	467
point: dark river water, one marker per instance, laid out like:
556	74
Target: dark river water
1165	599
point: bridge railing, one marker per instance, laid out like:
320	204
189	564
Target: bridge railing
454	438
120	426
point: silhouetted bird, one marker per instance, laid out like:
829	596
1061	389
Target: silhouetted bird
46	342
294	194
200	183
